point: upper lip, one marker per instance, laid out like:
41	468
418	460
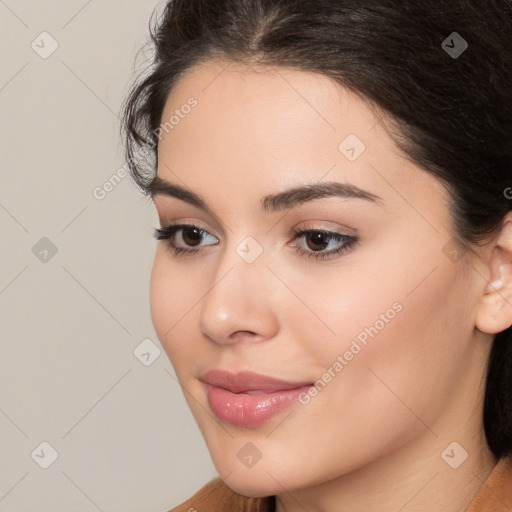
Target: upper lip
248	381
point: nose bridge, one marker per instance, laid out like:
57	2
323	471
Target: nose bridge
242	261
236	299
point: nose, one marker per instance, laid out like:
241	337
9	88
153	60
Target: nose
239	304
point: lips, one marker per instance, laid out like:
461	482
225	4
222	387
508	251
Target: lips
248	382
248	399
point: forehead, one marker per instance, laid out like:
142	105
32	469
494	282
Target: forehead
271	95
258	130
264	116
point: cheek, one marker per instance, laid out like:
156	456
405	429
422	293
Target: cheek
160	293
394	384
172	297
398	327
412	361
367	287
398	287
346	308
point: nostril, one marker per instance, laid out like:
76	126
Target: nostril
245	334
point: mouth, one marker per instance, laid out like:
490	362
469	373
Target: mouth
249	382
249	399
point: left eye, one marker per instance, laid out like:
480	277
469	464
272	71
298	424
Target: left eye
322	237
192	236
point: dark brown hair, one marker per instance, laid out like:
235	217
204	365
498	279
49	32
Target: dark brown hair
450	113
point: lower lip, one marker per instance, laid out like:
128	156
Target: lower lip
249	410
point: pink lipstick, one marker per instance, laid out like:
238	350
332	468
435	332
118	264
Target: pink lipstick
248	399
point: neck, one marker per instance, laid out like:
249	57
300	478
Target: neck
419	481
416	476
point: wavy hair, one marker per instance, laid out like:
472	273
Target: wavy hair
451	114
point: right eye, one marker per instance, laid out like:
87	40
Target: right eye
190	234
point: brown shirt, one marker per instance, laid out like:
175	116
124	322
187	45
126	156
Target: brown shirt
495	495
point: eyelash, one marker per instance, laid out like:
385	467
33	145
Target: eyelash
167	233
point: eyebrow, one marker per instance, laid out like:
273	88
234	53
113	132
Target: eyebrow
272	203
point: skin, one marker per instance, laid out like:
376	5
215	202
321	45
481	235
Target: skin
372	438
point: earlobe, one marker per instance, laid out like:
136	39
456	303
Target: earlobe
495	309
497	285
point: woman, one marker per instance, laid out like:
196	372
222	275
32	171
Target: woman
333	281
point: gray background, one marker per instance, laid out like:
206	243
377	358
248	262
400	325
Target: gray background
71	322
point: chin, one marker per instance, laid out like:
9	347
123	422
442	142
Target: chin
255	482
251	487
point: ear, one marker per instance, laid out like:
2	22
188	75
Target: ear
495	309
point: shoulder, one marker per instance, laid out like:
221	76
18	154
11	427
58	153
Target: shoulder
216	496
496	493
206	497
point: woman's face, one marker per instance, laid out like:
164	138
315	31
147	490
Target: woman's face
384	327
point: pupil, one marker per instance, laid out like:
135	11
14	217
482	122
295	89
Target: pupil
317	239
196	237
